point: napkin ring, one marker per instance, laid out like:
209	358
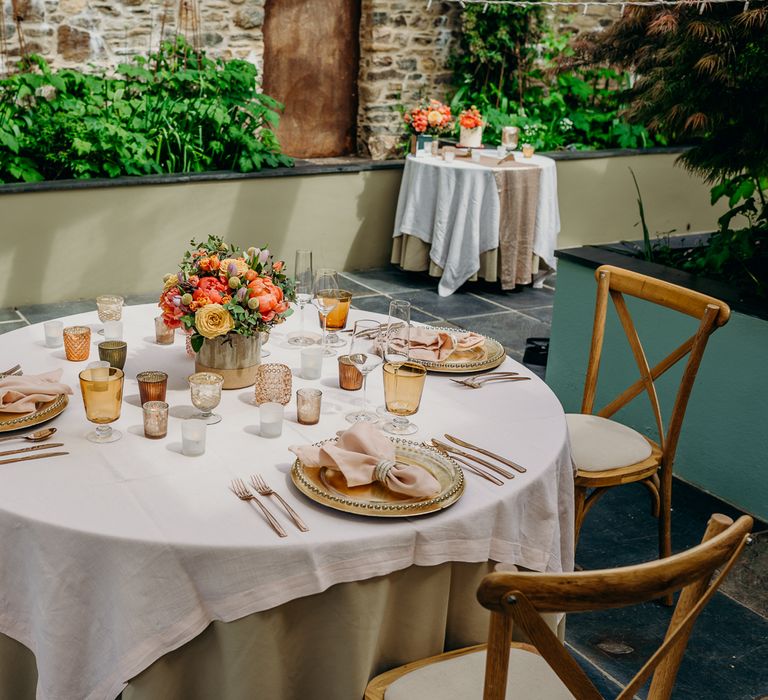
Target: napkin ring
382	469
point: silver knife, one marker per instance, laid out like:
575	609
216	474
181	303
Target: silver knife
487	453
494	467
40	456
32	449
468	465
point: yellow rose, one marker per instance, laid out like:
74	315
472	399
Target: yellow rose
240	265
169	280
213	320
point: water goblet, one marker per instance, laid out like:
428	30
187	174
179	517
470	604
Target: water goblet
326	288
102	390
302	269
205	388
403	388
337	318
364	354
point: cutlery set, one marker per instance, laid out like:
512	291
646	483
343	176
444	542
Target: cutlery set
241	490
471	461
479	380
36	436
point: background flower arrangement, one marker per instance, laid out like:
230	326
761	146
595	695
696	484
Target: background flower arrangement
471	118
431	117
220	289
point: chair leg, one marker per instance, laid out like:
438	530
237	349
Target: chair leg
652	484
665	521
580	496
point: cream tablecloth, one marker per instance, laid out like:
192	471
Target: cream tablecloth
118	554
452	212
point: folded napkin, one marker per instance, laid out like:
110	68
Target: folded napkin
436	346
363	454
22	394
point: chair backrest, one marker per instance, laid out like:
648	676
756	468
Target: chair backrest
518	598
615	282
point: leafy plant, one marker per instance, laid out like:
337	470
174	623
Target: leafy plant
173	111
521	73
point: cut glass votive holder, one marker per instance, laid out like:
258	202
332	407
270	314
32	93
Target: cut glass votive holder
54	334
152	386
163	334
155	419
273	384
308	403
77	343
114	352
109	307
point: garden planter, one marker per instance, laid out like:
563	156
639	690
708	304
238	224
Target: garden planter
723	439
235	357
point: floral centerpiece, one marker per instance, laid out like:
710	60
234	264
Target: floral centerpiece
471	123
430	118
224	299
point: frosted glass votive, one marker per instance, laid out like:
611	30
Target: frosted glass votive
193	437
54	334
311	362
448	156
113	330
271	419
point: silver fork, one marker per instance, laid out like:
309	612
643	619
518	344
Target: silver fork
257	481
240	490
477	381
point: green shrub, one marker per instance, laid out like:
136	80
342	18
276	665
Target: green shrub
175	111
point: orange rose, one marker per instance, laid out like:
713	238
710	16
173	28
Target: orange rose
278	266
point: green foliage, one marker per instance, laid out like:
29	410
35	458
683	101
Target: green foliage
517	72
175	111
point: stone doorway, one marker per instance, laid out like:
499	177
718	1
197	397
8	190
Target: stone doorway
311	58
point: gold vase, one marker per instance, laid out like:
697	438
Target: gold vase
235	357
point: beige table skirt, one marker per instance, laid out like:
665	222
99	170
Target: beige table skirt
412	254
322	647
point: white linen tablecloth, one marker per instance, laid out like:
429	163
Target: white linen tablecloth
116	554
454	208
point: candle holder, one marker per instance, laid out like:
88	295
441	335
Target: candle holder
114	352
273	384
152	386
163	334
308	406
205	388
350	377
77	343
109	307
155	419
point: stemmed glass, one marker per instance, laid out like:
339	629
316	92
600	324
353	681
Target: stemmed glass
399	319
363	353
205	388
326	291
102	390
403	380
302	270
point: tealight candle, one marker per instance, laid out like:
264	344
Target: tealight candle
271	419
54	334
193	437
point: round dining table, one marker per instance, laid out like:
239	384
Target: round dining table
130	567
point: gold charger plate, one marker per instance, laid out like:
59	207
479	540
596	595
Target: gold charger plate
487	356
329	488
47	411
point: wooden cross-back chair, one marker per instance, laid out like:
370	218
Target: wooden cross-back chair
543	669
607	453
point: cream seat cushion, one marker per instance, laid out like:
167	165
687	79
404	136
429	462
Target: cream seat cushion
462	677
599	443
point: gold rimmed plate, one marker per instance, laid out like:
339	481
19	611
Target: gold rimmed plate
482	357
20	421
329	488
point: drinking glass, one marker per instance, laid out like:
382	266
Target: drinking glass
102	390
326	286
302	269
363	353
264	337
205	388
403	387
337	318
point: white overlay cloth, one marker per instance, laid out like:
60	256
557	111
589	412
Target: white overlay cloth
454	208
116	554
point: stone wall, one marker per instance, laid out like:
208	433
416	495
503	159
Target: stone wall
404	47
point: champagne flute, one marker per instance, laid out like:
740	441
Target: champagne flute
102	390
363	353
302	269
325	299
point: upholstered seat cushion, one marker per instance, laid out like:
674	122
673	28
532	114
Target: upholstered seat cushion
462	678
599	443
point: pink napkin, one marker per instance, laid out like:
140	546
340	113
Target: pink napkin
22	394
436	346
363	454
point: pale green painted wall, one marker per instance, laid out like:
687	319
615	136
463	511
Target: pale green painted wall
724	441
